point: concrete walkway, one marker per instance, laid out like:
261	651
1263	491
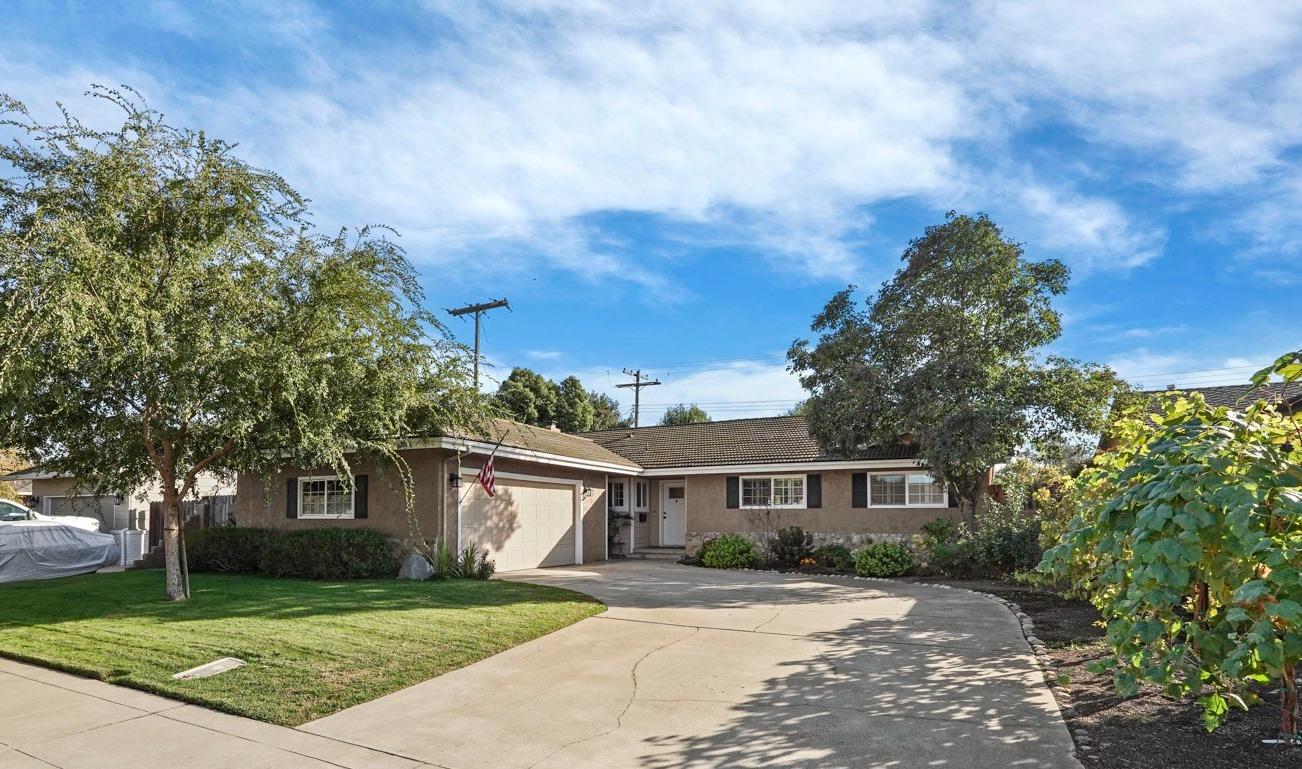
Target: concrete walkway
689	668
698	668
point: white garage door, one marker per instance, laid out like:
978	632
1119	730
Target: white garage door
526	525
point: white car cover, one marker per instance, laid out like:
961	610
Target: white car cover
39	550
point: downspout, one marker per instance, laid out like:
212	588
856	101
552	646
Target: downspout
605	502
458	493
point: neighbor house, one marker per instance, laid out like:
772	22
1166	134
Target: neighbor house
140	508
570	499
1287	396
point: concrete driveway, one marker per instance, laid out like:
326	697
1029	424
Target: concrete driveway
698	668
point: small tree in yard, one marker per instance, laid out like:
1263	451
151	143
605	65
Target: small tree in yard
1190	545
950	352
166	310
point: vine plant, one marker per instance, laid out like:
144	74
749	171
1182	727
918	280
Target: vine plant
1189	542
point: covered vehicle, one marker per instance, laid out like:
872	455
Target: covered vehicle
43	550
12	512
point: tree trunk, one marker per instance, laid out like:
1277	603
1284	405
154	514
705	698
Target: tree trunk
1289	726
176	580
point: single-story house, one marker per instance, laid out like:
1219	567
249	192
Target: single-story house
569	499
138	509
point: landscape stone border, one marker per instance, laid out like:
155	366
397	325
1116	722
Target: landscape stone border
1052	678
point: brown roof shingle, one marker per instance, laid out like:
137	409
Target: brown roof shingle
1239	396
761	440
540	439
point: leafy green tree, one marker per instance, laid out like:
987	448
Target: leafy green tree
684	414
951	352
10	461
1190	544
800	409
605	413
574	411
529	397
166	310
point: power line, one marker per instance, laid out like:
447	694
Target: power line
637	384
478	310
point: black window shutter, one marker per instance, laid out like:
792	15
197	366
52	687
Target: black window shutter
291	498
359	496
814	490
733	484
953	497
858	489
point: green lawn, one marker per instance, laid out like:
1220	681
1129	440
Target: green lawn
312	648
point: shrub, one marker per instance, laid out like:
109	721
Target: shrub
730	551
956	559
329	554
473	563
834	557
883	559
444	562
226	549
791	545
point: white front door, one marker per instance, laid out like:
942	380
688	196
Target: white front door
673	514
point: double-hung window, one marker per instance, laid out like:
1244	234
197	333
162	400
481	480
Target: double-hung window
616	496
905	490
782	491
641	496
326	496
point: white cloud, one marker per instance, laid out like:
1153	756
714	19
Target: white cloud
545	354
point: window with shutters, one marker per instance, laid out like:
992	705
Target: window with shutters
325	496
906	490
781	491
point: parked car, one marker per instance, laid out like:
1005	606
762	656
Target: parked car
36	549
12	512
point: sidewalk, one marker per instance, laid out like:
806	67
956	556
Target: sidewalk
53	719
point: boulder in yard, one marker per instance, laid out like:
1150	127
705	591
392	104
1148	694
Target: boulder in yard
415	567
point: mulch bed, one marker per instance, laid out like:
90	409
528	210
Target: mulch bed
1150	729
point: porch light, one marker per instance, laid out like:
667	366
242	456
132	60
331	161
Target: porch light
454	481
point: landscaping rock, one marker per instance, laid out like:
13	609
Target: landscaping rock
415	567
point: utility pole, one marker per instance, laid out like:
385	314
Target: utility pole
637	384
477	310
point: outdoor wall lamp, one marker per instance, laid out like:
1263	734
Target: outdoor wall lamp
454	480
587	490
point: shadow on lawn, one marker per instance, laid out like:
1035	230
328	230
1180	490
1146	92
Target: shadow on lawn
139	595
858	702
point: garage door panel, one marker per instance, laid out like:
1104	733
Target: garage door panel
526	525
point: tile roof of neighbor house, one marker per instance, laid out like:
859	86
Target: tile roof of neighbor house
1243	394
762	440
521	436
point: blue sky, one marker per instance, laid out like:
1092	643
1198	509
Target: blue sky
681	187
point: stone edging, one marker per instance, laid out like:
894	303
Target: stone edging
1084	746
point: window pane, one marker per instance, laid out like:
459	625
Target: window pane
887	490
756	492
675	492
616	491
789	491
923	490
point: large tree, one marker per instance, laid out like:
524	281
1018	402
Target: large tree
166	310
606	414
684	414
574	411
951	353
529	397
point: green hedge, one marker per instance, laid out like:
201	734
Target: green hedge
730	551
883	559
834	557
312	553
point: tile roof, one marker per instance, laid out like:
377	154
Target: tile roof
762	440
540	439
1243	394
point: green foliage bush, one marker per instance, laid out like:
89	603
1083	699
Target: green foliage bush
790	545
730	551
883	559
957	559
229	549
1190	545
836	557
330	554
473	563
311	554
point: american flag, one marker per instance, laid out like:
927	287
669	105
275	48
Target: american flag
486	478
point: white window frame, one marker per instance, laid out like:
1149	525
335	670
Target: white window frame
804	492
352	499
641	496
944	491
623	493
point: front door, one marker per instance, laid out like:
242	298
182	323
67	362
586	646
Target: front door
673	515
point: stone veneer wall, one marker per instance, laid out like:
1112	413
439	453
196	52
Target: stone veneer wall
852	541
